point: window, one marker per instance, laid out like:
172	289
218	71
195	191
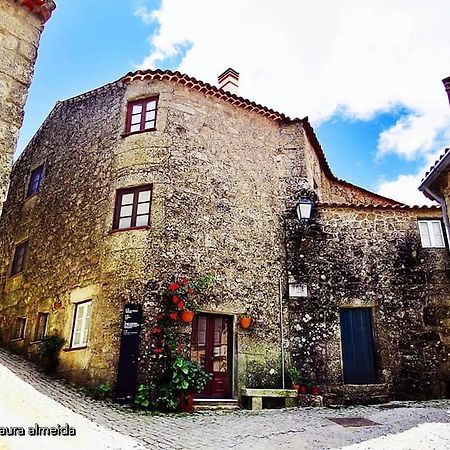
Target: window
19	258
81	324
19	328
35	181
41	326
133	208
431	233
141	115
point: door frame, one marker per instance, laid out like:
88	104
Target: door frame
376	349
231	360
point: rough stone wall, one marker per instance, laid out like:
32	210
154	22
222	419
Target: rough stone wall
371	257
220	176
329	189
217	204
65	227
20	32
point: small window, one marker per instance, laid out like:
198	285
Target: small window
431	233
141	115
34	185
81	324
19	258
133	208
41	326
19	328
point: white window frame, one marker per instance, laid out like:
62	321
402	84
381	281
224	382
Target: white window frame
430	235
81	322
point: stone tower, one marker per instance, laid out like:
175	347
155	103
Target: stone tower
21	25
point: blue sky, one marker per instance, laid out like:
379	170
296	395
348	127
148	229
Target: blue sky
375	99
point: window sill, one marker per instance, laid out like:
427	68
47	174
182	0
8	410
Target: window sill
29	197
118	230
72	349
17	339
130	133
16	275
35	342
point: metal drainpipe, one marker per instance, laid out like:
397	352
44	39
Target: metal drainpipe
441	201
281	330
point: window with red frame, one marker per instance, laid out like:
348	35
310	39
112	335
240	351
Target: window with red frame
141	115
133	207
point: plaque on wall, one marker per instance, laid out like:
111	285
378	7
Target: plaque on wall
129	353
298	290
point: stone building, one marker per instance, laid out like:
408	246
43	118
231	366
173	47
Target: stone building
159	175
21	25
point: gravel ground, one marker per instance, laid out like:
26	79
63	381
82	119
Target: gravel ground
27	397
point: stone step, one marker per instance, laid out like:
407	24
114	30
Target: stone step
226	404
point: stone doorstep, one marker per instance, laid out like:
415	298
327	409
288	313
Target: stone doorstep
205	404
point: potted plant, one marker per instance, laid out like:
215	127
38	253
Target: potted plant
294	375
315	390
190	308
181	296
302	389
245	320
48	350
188	377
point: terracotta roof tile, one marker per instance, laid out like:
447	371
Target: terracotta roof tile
246	104
436	163
41	8
372	206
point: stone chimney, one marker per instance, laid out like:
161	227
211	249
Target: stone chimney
446	82
229	81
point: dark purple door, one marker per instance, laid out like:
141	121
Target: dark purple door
211	346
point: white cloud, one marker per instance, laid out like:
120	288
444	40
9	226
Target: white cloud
404	186
404	189
316	58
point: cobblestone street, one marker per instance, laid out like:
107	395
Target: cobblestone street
27	397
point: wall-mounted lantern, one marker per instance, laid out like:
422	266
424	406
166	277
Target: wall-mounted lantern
304	209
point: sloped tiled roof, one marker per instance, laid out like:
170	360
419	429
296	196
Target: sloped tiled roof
248	105
436	164
378	206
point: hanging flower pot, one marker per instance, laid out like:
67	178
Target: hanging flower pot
187	316
245	322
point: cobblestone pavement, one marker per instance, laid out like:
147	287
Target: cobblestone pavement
28	396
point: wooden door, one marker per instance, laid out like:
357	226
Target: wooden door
211	347
358	347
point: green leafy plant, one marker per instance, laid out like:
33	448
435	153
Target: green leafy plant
50	345
294	375
188	376
165	399
101	391
142	397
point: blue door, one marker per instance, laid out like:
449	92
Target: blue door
358	348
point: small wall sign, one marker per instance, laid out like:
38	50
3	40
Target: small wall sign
298	290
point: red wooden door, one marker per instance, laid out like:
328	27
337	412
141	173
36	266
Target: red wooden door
211	346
